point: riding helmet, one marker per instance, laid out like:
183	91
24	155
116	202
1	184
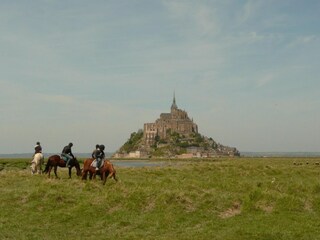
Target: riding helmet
101	147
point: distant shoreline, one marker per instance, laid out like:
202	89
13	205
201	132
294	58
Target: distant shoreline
243	154
280	154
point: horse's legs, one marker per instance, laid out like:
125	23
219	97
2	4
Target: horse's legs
113	175
49	171
38	167
90	175
84	175
107	175
55	171
115	178
33	170
94	173
34	165
104	177
69	172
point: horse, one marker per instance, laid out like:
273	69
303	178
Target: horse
36	163
56	161
107	170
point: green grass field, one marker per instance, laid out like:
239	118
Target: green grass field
245	198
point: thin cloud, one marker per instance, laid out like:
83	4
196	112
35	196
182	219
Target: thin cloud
265	80
199	16
302	40
249	10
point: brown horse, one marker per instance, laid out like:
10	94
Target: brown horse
107	170
56	161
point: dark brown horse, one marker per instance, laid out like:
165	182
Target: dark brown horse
56	161
107	170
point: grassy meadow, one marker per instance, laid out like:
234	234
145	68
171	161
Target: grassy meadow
244	198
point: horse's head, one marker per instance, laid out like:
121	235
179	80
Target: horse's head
77	165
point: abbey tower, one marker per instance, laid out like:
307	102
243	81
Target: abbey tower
175	121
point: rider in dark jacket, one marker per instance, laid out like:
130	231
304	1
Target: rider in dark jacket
67	153
94	151
99	156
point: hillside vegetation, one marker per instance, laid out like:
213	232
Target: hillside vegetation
244	198
176	144
133	143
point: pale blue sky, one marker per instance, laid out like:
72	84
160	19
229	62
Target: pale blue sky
87	72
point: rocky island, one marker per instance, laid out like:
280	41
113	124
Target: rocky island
173	135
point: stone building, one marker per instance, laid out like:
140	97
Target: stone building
175	121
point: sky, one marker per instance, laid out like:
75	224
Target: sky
93	72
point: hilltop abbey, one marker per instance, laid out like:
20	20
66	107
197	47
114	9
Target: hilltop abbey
175	121
173	135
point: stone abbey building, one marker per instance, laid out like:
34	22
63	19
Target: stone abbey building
175	121
188	143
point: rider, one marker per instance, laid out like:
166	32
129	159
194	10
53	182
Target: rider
95	150
99	156
37	148
67	153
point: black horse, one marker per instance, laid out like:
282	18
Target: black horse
56	161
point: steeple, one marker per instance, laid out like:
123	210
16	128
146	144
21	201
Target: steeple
174	105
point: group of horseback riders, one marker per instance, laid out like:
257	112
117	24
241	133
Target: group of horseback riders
98	154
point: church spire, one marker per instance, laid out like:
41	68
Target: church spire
174	105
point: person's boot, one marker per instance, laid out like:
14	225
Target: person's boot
97	166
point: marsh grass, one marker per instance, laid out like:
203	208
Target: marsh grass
272	198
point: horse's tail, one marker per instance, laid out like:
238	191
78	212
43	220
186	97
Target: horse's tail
112	171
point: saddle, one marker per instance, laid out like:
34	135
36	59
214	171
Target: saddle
64	158
94	163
